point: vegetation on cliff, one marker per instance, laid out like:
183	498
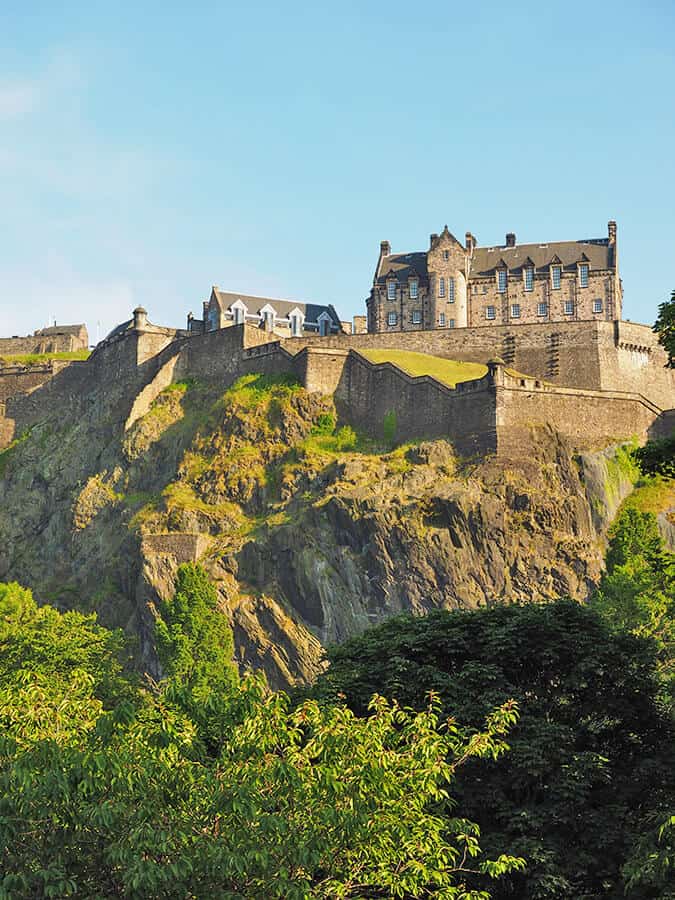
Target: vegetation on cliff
665	328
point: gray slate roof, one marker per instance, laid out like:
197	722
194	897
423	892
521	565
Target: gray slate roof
403	265
597	253
312	311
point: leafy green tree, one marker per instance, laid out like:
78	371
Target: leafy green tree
665	328
657	457
637	591
591	756
290	802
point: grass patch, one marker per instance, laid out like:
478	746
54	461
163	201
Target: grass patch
32	359
447	371
652	494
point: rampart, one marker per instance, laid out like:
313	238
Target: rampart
55	339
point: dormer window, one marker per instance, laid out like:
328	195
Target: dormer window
556	275
501	281
441	287
413	288
296	318
451	290
583	275
391	290
528	278
238	312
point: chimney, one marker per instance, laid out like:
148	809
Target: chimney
611	231
140	318
470	241
432	240
510	239
385	248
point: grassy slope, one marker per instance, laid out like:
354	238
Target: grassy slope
449	371
27	359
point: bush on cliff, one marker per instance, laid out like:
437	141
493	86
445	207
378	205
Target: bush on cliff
592	757
109	789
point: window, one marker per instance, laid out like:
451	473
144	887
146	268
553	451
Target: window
556	272
583	275
391	318
490	312
268	320
597	306
441	287
441	320
324	324
413	289
515	310
451	323
501	280
542	309
417	316
296	327
391	290
529	278
485	288
238	314
569	307
451	290
446	254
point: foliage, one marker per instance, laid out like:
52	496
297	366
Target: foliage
141	802
592	754
657	457
31	359
637	591
665	328
389	427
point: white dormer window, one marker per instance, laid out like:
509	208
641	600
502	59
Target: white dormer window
556	274
583	275
528	278
413	288
324	324
501	281
296	319
391	290
441	287
267	317
238	309
451	290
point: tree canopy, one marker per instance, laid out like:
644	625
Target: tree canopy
591	758
665	328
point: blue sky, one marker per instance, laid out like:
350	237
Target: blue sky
148	151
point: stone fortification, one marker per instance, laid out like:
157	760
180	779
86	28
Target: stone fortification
55	339
593	382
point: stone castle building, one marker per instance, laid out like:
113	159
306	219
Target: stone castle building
286	318
454	285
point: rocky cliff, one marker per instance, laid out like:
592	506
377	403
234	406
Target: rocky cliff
310	531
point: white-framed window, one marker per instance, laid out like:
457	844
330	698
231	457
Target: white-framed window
391	318
501	281
597	306
441	287
413	289
238	312
417	316
451	290
296	326
556	274
485	288
583	275
391	290
267	316
490	312
441	320
569	307
451	323
542	309
515	310
528	277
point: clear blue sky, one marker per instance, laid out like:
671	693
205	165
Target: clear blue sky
150	150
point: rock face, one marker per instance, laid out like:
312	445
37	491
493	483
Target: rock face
310	532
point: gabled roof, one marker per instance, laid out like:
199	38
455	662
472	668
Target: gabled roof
597	253
61	329
402	266
254	306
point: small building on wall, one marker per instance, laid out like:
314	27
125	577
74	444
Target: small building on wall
286	318
455	285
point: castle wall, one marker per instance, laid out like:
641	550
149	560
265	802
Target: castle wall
59	342
22	379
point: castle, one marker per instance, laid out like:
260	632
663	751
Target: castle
543	319
454	285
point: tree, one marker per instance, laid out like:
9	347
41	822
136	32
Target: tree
665	328
287	802
591	756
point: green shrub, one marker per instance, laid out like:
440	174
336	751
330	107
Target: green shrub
657	457
346	439
389	426
325	424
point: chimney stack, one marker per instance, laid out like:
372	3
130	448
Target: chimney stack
510	239
140	318
432	240
611	231
470	241
385	248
